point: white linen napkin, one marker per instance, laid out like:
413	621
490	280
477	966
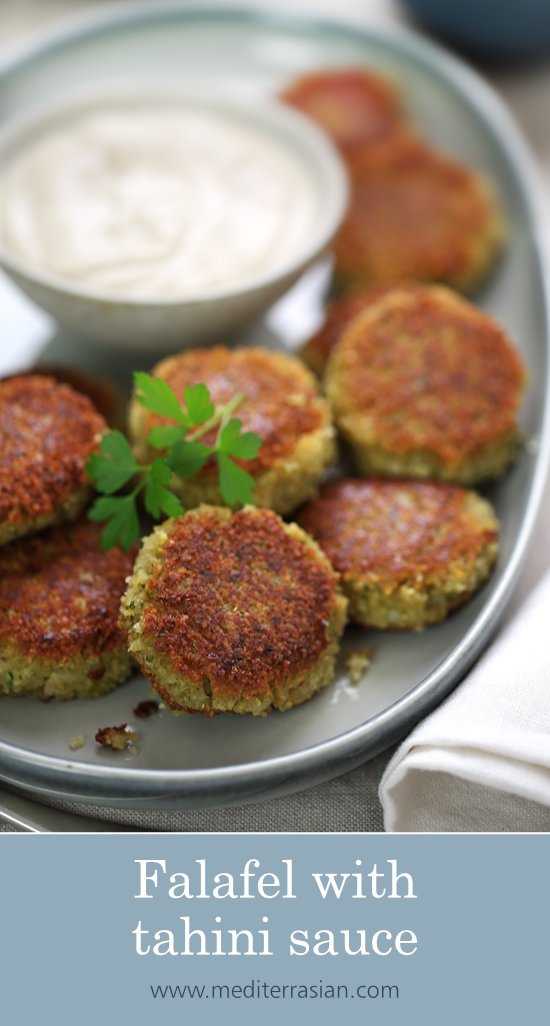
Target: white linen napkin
481	761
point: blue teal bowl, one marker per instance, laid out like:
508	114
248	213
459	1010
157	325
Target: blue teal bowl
498	29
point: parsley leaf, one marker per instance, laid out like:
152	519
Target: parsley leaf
155	395
244	445
157	498
198	403
236	485
122	521
162	437
114	465
187	458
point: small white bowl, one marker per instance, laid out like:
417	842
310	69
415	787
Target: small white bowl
166	324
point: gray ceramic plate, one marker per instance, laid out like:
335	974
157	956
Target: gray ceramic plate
193	761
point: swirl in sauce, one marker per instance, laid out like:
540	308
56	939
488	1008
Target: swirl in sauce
155	198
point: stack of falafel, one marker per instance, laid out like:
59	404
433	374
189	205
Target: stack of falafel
59	594
241	611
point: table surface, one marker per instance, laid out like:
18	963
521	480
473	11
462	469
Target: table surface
349	803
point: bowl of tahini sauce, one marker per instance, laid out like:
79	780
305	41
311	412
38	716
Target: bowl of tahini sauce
156	222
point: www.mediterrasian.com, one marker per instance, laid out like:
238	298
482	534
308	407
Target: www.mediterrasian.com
257	990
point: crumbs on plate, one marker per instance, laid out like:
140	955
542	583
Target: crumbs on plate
357	663
119	738
146	708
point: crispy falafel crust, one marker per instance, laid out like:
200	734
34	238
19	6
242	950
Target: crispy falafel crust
423	384
47	432
282	405
408	551
233	612
340	312
416	214
105	396
59	602
354	106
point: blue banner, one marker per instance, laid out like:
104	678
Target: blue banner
194	928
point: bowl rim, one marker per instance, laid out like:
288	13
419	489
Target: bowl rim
272	119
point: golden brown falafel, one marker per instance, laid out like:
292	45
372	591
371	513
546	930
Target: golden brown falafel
423	384
416	214
104	394
47	432
408	551
339	313
354	106
59	603
282	405
233	612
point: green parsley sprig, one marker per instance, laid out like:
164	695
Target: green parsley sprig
115	467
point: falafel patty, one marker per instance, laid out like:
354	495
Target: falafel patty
59	602
408	551
282	406
233	612
354	106
47	432
105	395
416	214
423	384
339	313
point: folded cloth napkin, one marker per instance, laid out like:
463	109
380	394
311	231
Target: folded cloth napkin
481	761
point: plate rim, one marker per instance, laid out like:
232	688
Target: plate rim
127	785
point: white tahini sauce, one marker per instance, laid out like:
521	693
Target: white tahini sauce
159	200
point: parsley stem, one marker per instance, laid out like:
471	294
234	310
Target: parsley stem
221	416
141	484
